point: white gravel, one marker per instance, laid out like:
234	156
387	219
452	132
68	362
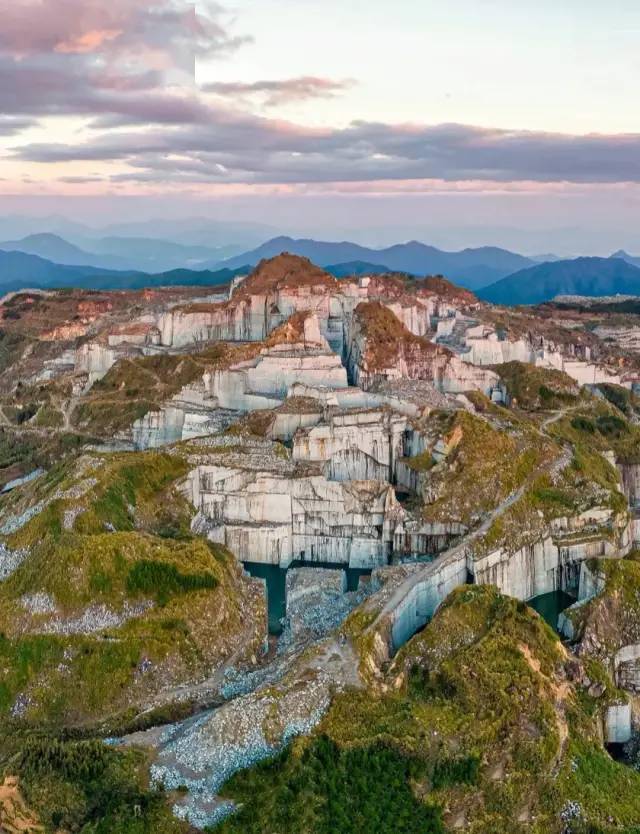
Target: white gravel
95	618
10	560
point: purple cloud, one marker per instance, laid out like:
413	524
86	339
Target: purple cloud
277	92
118	60
234	147
130	64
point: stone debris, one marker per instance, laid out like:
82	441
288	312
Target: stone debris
317	603
25	479
69	517
21	705
10	560
16	522
94	619
38	603
202	754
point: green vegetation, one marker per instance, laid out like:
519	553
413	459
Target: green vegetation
49	417
598	427
181	600
22	452
484	725
485	464
86	786
532	388
163	581
622	398
322	789
135	386
608	622
12	346
479	719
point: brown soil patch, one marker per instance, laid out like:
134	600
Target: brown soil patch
15	816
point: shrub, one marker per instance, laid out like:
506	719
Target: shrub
327	790
163	581
583	424
610	425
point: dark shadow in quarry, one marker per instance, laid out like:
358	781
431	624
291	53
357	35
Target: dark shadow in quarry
551	605
276	585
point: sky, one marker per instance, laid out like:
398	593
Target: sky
460	123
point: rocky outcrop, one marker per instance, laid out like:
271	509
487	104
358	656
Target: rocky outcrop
270	509
482	344
354	446
381	349
294	355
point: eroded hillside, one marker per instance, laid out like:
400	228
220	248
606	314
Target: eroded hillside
304	520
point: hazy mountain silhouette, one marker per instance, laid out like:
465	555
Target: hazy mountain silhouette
580	276
19	269
470	268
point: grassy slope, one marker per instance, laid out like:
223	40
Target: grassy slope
131	544
488	463
480	721
133	387
611	620
534	388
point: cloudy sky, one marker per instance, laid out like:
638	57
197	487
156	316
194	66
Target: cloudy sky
464	121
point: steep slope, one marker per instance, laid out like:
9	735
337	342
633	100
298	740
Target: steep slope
107	601
470	267
482	724
581	276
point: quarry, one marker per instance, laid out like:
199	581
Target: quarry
352	455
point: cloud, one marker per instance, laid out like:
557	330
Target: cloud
128	67
235	147
129	61
131	28
12	125
275	93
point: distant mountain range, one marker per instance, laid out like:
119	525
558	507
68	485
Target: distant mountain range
471	268
216	235
142	254
19	270
625	256
355	268
122	262
580	276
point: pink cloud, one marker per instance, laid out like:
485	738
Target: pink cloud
88	41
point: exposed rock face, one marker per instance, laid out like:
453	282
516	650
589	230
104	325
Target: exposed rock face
630	474
287	284
550	564
547	565
94	359
355	446
191	414
298	355
142	333
271	294
482	344
381	348
273	510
